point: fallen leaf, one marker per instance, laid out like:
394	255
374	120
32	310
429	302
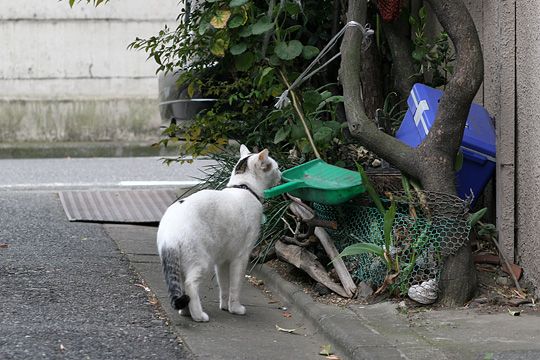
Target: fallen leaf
326	350
286	314
333	357
3	246
514	313
290	331
273	302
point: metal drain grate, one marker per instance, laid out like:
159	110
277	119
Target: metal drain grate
125	206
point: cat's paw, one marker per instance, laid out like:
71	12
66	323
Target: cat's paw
237	309
223	306
202	317
184	312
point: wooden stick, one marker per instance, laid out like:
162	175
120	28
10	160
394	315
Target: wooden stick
328	245
510	271
301	115
339	265
307	261
309	217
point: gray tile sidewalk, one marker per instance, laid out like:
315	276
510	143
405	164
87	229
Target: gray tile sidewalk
355	331
226	336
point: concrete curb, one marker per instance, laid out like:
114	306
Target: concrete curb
339	325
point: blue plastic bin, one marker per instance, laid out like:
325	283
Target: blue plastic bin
478	145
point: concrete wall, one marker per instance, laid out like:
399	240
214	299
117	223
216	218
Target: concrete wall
65	74
528	137
511	43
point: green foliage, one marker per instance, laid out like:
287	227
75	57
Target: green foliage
94	2
370	189
390	116
433	57
233	51
362	248
477	216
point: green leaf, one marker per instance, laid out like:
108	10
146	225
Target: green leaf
71	3
422	13
323	135
297	132
236	21
458	164
475	217
246	31
362	248
388	224
292	8
370	189
244	61
288	50
334	125
292	29
419	54
282	134
309	52
219	46
205	25
331	100
273	60
264	73
312	99
238	48
262	25
191	89
236	3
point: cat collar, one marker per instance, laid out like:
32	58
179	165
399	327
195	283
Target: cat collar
245	187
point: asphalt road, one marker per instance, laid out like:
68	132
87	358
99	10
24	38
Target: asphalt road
67	292
66	173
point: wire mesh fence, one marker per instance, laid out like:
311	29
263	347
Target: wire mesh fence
427	228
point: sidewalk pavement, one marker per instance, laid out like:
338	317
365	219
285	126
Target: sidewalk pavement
355	331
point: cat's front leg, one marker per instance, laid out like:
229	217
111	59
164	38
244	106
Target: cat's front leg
237	272
222	275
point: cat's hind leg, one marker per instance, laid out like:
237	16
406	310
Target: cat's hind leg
222	274
237	273
191	287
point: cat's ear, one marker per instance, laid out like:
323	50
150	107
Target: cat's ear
264	160
263	156
244	151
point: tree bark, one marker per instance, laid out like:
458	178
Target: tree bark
400	44
433	161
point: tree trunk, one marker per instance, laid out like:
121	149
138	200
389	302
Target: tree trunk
400	44
433	161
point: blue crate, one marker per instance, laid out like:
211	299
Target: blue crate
478	144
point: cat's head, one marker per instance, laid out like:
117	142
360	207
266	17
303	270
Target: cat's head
258	169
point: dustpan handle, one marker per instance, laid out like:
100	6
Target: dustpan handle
283	188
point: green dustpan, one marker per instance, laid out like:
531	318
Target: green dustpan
320	182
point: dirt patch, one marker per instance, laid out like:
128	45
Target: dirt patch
496	293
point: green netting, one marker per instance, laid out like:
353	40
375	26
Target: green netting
427	228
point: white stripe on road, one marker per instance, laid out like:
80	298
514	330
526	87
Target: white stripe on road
185	184
160	183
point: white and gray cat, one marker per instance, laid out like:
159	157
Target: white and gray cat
217	229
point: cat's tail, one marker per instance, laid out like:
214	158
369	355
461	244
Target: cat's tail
172	271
